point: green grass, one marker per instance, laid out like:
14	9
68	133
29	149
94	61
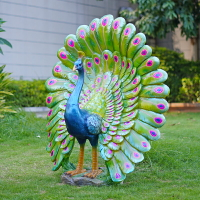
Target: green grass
170	170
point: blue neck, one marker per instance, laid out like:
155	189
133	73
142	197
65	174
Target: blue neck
74	98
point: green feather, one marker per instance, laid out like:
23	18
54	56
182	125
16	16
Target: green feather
114	170
104	33
66	58
159	91
153	104
93	35
56	97
146	130
148	65
108	62
117	63
124	163
154	77
144	53
117	28
129	68
58	160
138	141
60	70
151	118
135	44
123	67
134	155
126	36
71	45
133	84
83	37
133	93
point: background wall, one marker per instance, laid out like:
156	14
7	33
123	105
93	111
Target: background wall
37	28
174	41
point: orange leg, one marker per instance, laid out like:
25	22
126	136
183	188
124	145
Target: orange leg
95	171
79	169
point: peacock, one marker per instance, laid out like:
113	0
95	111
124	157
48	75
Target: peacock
106	88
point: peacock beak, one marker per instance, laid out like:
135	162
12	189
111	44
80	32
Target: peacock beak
74	68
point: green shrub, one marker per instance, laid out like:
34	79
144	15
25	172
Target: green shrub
179	70
190	90
4	81
28	93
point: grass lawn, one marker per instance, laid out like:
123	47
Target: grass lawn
170	170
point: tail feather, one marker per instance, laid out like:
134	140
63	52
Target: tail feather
124	163
117	28
126	36
71	45
154	77
104	32
115	171
143	53
93	35
135	44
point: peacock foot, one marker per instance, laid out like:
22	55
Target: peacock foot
93	173
76	171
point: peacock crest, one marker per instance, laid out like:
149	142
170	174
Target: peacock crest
122	85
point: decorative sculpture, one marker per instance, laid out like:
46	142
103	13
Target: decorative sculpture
113	97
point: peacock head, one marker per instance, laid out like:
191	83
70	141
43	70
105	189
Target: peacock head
78	65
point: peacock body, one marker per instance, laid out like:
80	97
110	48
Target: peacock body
115	100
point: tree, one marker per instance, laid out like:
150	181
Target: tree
2	40
158	17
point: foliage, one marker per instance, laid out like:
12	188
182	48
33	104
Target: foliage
158	17
170	170
28	93
190	89
2	40
179	70
4	81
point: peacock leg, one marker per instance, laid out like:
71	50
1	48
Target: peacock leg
95	171
79	169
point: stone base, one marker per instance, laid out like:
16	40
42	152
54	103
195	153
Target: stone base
80	181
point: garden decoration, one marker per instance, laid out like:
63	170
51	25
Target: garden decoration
106	88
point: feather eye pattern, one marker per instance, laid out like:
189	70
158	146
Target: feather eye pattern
123	85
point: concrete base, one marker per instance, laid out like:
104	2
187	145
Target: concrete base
39	111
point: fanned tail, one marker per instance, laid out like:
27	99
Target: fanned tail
122	84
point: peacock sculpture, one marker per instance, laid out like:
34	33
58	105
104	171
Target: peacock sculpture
106	88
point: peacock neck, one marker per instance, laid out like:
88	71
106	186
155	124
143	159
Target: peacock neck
74	98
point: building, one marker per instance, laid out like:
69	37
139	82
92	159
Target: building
37	30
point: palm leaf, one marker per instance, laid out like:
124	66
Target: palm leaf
5	42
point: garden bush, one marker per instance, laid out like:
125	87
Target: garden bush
4	81
27	93
183	75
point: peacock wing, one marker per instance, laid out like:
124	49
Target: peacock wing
60	87
94	124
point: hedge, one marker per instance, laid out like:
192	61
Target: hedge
27	93
183	75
